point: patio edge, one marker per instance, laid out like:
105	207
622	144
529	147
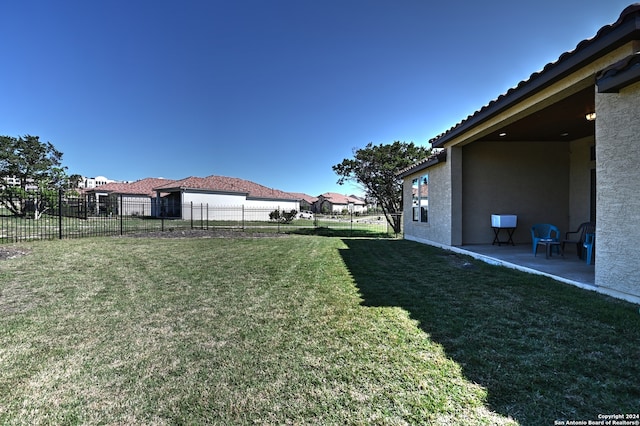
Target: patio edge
498	262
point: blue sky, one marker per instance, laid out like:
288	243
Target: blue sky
273	91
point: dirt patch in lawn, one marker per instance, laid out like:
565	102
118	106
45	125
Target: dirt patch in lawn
10	253
458	261
205	233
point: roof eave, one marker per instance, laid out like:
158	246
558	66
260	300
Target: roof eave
249	197
620	75
215	191
612	38
431	161
131	194
167	189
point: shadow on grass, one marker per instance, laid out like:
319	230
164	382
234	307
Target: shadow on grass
544	350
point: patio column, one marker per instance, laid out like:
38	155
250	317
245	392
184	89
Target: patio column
454	161
617	195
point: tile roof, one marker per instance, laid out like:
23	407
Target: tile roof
140	187
336	198
628	22
437	156
226	184
302	196
620	74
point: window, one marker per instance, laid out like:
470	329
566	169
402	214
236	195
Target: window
415	205
423	196
420	198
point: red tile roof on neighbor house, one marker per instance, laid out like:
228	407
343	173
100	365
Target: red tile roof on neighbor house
335	198
140	187
304	197
226	184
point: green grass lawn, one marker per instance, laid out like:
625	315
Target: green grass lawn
297	329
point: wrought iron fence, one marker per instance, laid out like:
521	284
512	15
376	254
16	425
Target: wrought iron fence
58	217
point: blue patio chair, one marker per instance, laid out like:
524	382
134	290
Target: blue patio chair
541	233
589	242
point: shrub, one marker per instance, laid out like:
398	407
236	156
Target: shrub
283	216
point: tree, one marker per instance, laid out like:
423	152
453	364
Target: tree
375	167
74	181
37	168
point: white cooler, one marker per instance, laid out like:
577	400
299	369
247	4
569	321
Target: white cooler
504	220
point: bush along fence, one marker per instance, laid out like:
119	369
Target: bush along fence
60	216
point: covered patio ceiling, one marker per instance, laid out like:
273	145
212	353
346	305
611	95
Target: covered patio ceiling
563	120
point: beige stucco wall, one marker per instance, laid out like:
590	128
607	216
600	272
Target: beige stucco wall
438	229
618	190
538	181
528	179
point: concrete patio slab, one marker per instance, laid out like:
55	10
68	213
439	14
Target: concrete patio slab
568	268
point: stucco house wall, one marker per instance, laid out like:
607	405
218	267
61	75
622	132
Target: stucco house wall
209	206
333	203
213	199
528	179
221	206
136	205
283	205
328	206
438	228
618	183
503	178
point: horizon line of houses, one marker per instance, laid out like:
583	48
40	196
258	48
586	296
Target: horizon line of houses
166	197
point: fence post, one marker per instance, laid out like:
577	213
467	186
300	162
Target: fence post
191	214
351	230
60	214
121	215
243	217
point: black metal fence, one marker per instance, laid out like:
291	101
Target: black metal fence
59	217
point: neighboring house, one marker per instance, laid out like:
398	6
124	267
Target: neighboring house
94	182
331	202
134	199
199	194
306	201
367	206
562	147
